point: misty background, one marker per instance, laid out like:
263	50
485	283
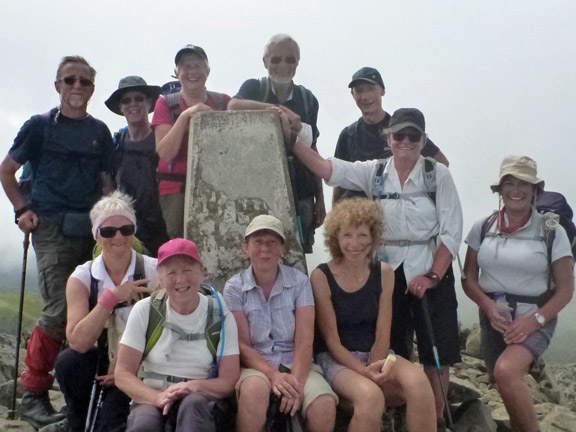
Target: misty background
493	78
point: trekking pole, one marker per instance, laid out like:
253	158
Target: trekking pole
12	411
462	275
90	428
90	416
430	330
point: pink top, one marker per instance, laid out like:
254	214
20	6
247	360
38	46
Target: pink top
178	165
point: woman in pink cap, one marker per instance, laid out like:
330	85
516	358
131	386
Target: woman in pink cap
519	271
184	383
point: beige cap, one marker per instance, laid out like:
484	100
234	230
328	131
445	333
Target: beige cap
265	222
521	167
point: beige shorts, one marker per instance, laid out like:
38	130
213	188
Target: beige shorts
315	385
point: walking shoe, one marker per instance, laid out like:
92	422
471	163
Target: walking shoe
61	426
37	410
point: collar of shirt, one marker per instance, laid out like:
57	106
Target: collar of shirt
414	182
281	282
290	96
99	269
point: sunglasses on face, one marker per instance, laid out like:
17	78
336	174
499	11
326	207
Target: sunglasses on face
287	60
412	137
70	80
110	231
129	100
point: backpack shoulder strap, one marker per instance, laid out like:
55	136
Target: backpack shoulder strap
429	177
218	100
93	296
214	321
155	319
351	135
307	98
487	225
378	180
139	270
174	100
119	138
264	89
551	221
429	173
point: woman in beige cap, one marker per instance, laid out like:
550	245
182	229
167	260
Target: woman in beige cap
519	270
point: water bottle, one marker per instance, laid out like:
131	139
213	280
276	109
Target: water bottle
502	307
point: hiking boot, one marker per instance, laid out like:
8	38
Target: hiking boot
61	426
37	410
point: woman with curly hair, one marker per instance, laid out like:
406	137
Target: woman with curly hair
353	296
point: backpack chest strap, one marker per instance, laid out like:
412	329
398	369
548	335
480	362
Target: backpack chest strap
502	235
404	243
182	334
403	195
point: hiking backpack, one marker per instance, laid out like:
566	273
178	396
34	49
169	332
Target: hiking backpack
555	202
428	173
551	221
266	90
174	102
212	330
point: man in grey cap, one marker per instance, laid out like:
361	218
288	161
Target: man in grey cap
364	139
136	160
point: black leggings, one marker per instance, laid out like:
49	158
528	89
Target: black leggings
75	373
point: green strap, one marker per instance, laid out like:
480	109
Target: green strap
156	323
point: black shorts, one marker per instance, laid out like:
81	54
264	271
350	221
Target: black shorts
407	317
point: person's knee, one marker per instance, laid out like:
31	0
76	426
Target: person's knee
414	381
254	396
195	402
321	414
372	404
505	372
144	418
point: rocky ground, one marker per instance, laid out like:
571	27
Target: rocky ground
476	405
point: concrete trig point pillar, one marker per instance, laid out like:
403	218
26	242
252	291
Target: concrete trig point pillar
237	170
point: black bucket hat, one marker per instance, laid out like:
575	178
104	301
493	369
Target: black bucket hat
132	83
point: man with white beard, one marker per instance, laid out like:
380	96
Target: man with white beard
281	58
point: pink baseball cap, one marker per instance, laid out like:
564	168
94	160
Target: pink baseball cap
178	246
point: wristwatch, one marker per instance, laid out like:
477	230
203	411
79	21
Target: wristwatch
433	277
540	318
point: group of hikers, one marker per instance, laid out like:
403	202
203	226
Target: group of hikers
171	353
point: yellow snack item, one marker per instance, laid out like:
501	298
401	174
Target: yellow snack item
389	360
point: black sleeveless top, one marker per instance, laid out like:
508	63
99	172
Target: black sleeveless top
357	312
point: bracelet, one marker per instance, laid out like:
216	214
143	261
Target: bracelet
108	300
433	277
290	144
20	212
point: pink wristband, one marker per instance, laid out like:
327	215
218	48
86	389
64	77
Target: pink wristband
108	300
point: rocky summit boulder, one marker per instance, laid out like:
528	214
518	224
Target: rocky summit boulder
476	404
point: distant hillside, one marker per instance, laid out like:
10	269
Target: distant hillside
9	305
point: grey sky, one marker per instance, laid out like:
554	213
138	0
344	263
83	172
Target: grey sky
492	77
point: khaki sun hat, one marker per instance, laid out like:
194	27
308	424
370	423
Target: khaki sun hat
521	167
265	222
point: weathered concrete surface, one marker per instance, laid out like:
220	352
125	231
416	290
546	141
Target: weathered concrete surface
237	170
